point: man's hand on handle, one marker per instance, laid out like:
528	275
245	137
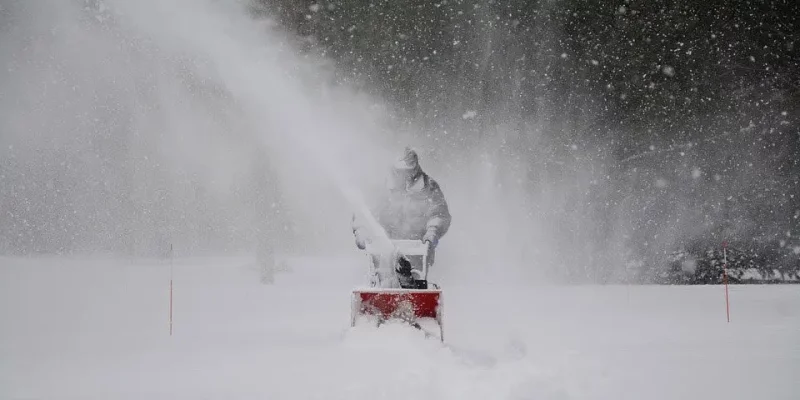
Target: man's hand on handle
430	237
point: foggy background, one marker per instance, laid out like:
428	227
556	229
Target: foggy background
575	141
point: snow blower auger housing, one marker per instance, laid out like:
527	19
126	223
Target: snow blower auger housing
414	301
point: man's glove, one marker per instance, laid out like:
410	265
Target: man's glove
430	237
360	243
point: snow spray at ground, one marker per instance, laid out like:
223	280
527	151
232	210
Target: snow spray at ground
98	329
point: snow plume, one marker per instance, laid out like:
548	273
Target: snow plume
130	126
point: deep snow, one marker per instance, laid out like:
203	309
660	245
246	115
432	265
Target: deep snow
98	329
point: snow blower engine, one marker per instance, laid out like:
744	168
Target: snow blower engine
398	291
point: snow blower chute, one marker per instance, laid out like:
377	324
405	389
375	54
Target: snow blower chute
394	296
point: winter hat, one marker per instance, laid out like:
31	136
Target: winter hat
408	161
405	170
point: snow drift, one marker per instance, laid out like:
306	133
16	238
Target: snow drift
98	329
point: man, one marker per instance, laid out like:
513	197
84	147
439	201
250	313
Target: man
413	208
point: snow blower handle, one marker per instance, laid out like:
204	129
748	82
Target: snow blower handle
397	248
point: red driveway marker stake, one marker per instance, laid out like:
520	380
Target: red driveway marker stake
170	289
725	279
170	306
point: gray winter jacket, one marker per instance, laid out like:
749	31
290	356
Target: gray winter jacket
409	211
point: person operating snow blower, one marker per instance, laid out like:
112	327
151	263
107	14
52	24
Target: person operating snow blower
412	207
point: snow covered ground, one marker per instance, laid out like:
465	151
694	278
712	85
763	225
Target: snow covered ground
98	329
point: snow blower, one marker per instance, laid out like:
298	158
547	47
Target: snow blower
397	291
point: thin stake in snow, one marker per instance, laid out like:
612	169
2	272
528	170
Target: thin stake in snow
725	279
170	287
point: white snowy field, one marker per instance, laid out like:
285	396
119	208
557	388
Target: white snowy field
98	329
